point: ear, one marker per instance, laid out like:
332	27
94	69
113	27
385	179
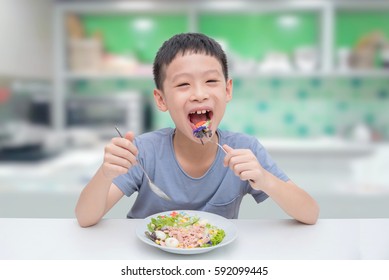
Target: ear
160	100
229	90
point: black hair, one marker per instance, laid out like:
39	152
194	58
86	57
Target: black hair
182	43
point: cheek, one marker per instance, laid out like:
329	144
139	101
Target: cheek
175	108
221	111
177	101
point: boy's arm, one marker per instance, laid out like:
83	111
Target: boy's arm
293	200
100	194
96	199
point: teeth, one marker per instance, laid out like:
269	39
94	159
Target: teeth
199	112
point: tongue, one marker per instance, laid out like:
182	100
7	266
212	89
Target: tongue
196	118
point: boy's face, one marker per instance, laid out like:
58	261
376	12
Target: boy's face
194	90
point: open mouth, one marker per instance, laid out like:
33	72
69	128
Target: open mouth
199	116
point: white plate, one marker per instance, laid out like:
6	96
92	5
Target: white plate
215	220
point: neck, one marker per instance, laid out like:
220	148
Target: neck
189	152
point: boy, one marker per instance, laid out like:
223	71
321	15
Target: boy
192	83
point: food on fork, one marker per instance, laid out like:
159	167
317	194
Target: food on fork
202	129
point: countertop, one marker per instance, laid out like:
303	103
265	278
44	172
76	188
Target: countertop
278	239
320	146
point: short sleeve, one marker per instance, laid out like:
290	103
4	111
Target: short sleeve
269	164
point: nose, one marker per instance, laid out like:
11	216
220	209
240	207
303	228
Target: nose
199	94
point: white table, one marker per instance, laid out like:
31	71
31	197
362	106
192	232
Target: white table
64	239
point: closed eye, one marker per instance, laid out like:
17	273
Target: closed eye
182	85
212	81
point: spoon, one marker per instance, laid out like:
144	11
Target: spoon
152	186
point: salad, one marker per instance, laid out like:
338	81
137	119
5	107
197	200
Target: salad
180	230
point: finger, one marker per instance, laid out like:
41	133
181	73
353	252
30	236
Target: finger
248	175
120	152
227	148
130	136
125	144
117	161
241	167
228	156
237	158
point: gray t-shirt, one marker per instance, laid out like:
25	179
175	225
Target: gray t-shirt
218	191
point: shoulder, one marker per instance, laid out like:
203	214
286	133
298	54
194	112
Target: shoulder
155	142
155	137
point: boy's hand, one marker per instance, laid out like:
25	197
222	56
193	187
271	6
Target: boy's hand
245	165
119	156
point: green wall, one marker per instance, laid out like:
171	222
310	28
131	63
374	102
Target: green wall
253	35
137	35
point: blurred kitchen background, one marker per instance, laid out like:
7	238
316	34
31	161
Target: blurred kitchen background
311	81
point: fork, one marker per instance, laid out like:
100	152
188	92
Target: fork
207	134
208	137
152	185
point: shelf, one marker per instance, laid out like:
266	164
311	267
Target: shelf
315	74
362	73
107	76
295	74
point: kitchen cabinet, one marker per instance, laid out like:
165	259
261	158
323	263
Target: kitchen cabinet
122	47
361	36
